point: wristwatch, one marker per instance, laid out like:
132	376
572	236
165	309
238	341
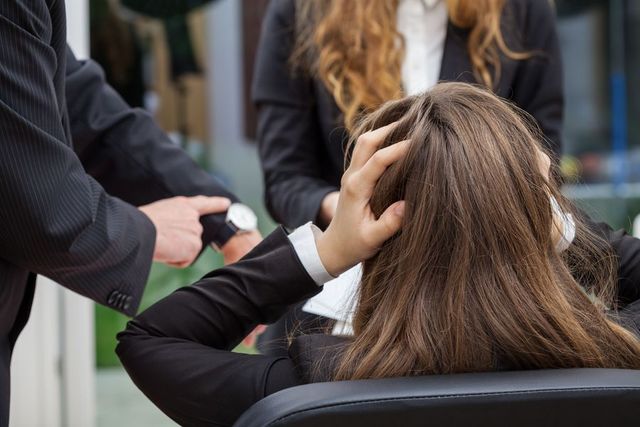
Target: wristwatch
240	219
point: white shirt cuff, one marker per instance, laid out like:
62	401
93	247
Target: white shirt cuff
303	240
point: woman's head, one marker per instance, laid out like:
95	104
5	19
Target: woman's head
473	278
355	48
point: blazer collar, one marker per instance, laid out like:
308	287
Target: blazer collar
456	64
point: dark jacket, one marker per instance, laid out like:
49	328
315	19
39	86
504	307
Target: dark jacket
68	145
178	352
300	130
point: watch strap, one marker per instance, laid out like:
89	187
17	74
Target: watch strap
226	232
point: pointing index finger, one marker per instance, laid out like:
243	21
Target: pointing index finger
209	205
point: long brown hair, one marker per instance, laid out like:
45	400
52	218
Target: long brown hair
472	281
356	50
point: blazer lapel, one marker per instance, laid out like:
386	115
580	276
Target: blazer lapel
456	64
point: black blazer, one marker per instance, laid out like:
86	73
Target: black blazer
178	352
300	130
68	145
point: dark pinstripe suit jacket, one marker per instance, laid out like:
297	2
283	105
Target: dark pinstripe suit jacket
58	217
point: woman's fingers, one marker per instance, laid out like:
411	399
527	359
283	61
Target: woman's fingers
355	234
368	143
387	225
378	164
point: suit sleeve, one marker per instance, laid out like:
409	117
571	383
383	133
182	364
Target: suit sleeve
125	150
56	220
289	134
538	87
178	352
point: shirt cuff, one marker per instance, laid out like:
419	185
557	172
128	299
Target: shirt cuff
303	240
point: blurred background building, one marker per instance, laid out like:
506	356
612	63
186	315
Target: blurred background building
600	41
193	73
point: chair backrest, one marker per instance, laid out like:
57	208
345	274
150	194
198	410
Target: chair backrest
562	397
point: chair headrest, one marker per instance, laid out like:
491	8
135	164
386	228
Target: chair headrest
562	397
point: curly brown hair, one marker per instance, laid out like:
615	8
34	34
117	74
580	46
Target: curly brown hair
356	50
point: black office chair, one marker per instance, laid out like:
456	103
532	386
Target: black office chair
563	398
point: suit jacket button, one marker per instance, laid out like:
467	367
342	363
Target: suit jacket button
113	298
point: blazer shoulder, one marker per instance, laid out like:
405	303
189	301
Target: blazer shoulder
531	7
274	79
532	22
532	15
281	12
33	17
278	26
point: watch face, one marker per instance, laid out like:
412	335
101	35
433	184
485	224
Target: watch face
242	217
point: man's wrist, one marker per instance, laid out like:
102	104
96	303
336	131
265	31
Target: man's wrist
239	219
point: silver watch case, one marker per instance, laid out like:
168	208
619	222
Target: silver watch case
241	218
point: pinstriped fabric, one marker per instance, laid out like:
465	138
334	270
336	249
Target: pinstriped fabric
56	215
128	154
55	220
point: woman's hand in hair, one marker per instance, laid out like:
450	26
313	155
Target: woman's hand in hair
355	234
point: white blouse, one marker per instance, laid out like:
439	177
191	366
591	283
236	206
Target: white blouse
423	24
